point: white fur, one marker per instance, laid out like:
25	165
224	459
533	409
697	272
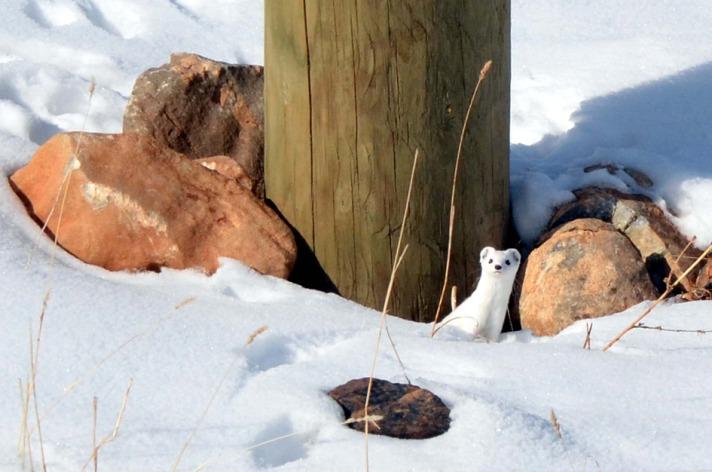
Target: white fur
482	313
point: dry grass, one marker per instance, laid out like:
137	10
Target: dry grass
114	432
587	341
664	295
483	74
398	249
30	395
555	425
95	406
677	272
398	259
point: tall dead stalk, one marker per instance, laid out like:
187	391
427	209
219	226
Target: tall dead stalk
30	395
483	73
114	432
398	258
657	302
587	341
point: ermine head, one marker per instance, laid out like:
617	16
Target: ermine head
499	263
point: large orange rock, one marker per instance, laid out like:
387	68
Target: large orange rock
585	269
132	204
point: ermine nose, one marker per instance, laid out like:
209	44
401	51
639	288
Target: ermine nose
498	267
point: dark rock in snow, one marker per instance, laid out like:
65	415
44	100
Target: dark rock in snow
409	412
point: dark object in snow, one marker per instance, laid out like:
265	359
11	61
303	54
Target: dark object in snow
408	412
640	177
202	108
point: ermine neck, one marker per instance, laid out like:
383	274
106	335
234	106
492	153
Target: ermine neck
492	283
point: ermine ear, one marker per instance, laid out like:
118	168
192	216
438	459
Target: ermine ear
485	252
515	254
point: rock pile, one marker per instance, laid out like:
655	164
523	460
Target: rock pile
179	188
603	252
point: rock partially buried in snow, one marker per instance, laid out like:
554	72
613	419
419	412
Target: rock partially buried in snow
202	108
646	226
132	204
408	412
585	269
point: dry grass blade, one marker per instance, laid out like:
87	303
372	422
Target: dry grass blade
34	354
657	302
24	437
185	302
24	448
117	425
63	189
672	330
587	341
555	424
675	269
398	248
21	437
378	343
483	73
250	339
254	335
398	258
94	448
453	298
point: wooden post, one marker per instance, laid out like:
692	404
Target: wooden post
351	90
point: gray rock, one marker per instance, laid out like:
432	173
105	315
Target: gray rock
644	223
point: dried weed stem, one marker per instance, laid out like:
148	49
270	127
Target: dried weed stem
657	302
114	432
398	258
483	73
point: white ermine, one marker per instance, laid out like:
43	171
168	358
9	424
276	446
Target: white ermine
482	313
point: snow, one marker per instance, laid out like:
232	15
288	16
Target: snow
612	82
593	82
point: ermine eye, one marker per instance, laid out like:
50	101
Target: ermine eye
507	262
490	261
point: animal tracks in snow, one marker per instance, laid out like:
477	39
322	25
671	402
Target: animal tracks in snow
102	15
277	444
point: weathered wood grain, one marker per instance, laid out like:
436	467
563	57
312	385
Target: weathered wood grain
352	88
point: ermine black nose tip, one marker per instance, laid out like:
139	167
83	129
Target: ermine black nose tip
498	267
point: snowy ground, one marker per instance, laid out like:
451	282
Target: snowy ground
593	82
